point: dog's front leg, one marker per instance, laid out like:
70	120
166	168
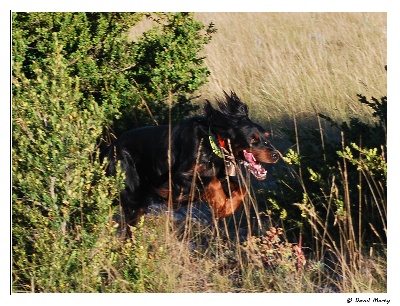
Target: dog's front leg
223	205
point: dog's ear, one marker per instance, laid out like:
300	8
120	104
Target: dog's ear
235	105
214	115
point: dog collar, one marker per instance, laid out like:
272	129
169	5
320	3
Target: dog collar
228	158
217	151
214	146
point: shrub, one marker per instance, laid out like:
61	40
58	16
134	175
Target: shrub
73	74
277	253
134	80
168	67
61	198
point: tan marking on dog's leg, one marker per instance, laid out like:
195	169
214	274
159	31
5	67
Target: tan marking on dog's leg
222	205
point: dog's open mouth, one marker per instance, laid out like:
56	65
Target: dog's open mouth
255	167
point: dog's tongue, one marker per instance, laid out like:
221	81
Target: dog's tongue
255	168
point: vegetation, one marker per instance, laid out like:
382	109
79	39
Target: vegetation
319	224
73	75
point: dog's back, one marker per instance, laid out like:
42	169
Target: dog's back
198	150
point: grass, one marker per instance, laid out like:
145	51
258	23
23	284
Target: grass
188	257
297	63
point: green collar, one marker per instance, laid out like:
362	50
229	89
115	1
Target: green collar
214	147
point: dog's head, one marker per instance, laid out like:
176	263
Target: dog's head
246	140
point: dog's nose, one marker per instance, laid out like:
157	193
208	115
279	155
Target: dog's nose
275	155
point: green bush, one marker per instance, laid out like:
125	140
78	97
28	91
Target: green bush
61	198
167	62
73	74
134	80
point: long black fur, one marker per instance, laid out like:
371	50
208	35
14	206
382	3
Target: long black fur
143	154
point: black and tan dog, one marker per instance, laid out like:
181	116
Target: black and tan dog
204	153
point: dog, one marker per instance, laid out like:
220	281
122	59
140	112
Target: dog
197	159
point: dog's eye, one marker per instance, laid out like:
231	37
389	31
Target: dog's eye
255	138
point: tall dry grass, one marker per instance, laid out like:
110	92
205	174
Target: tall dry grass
297	63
